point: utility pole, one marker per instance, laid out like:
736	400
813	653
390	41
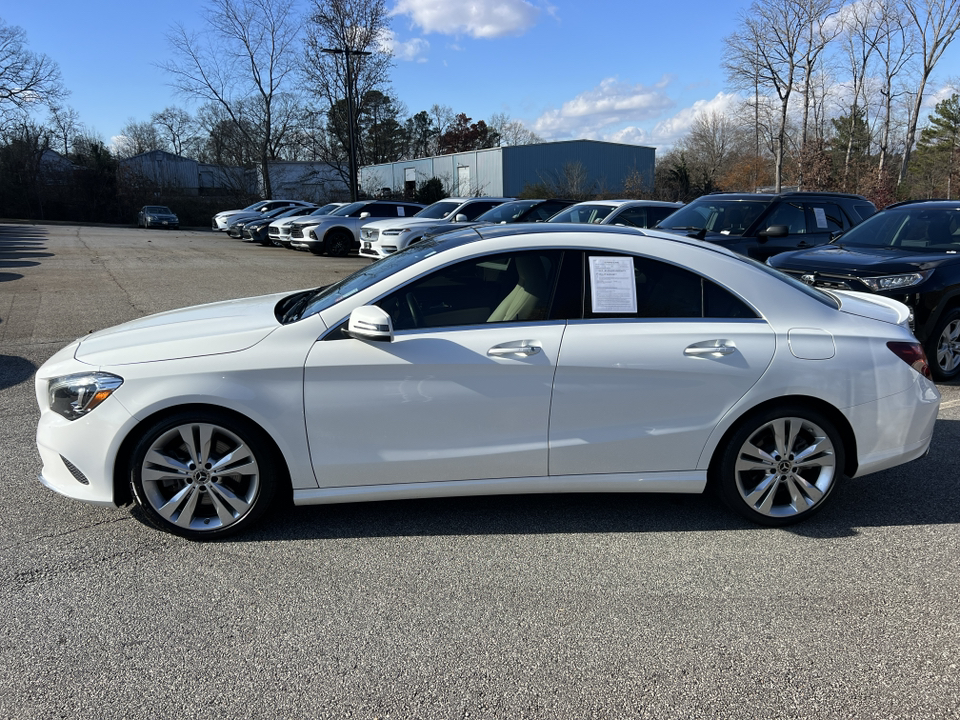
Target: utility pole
348	52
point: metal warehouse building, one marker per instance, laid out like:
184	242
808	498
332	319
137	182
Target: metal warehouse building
601	167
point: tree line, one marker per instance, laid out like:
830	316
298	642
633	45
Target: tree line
830	96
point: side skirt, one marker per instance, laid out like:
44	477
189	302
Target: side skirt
693	481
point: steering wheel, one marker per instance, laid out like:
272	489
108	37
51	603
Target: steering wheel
414	308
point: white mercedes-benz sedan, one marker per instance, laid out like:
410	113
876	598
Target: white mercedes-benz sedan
493	361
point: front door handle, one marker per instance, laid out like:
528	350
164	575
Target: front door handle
524	348
702	349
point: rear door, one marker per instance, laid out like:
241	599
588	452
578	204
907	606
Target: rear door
659	357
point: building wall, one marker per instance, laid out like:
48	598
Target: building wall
166	170
506	171
606	165
311	181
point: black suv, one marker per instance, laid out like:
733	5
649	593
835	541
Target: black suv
909	252
763	224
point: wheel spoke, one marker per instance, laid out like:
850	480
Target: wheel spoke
779	428
238	460
221	494
749	451
765	490
820	449
158	461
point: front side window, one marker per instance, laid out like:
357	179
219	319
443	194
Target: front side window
789	214
508	287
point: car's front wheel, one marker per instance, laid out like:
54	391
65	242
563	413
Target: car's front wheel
339	243
943	347
781	466
203	475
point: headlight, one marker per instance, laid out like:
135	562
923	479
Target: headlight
150	217
73	396
896	282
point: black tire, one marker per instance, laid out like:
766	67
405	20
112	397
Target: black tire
339	243
943	347
780	466
188	494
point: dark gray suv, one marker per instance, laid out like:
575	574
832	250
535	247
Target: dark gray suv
761	225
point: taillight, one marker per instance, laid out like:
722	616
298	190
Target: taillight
913	355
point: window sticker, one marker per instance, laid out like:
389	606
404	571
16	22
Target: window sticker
821	217
612	285
400	210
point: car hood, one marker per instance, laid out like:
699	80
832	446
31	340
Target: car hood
859	261
213	329
399	222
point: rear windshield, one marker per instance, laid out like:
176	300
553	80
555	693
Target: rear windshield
727	217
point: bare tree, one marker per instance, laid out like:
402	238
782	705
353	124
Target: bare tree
26	79
137	137
863	31
175	125
937	23
819	17
765	54
894	49
242	62
341	32
512	132
64	124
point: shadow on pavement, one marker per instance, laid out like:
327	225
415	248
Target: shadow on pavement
19	244
15	370
924	492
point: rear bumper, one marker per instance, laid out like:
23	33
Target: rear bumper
895	429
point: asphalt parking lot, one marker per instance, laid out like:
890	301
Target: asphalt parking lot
517	607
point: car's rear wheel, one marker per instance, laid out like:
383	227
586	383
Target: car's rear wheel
781	466
339	243
943	347
203	475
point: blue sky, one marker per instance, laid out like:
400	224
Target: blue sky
613	70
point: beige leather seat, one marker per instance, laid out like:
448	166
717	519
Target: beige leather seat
529	295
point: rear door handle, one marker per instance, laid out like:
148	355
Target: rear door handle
718	347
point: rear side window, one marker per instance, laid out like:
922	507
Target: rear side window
825	217
663	290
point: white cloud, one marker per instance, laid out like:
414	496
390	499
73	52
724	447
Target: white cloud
414	50
669	131
631	114
477	18
604	109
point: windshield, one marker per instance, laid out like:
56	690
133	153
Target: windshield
727	217
508	212
159	210
439	209
326	209
583	214
297	307
910	227
348	210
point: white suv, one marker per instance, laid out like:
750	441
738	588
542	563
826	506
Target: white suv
385	237
338	233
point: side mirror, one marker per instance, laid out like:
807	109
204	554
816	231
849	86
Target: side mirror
364	215
775	231
461	218
370	323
